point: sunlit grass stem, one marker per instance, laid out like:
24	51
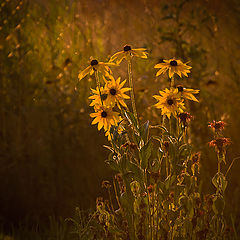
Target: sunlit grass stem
172	82
98	85
130	78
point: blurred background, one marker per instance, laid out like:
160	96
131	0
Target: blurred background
51	158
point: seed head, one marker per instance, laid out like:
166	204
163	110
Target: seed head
173	63
113	91
94	62
170	102
103	114
127	48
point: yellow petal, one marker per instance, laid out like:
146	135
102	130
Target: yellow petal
82	74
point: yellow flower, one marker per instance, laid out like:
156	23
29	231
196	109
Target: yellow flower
105	117
169	102
187	93
127	53
96	66
115	92
96	99
174	66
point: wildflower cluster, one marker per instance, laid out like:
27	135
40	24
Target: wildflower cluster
171	101
112	93
157	185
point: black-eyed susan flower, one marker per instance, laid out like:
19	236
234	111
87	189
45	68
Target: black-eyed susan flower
127	53
116	92
170	102
174	66
105	117
96	98
96	66
187	93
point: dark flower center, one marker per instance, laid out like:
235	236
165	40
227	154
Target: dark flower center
173	63
94	62
170	102
127	48
104	96
180	88
113	91
104	114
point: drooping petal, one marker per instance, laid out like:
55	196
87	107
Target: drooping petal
83	73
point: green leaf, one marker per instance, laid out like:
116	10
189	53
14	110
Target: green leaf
111	162
138	174
169	181
218	205
126	202
123	164
131	119
145	153
144	131
220	182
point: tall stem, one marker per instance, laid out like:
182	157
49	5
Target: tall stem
129	61
219	163
172	82
98	85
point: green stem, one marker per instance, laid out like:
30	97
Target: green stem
98	85
130	78
172	82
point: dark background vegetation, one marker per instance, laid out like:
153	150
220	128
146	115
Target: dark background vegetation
51	158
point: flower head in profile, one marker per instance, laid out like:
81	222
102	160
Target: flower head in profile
196	158
185	117
217	126
173	66
170	102
96	66
187	93
116	92
105	117
127	53
220	144
195	162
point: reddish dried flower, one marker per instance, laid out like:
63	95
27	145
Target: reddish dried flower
133	146
171	196
185	117
208	199
99	202
130	145
125	145
150	188
220	144
196	157
217	126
